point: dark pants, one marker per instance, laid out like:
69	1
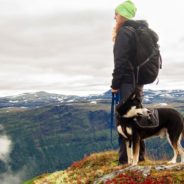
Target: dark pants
125	91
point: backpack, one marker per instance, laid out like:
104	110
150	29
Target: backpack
148	60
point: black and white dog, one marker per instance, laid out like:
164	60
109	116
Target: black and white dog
170	124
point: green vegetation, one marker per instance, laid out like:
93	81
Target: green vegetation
51	138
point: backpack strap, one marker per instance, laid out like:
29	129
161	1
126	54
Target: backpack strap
151	55
129	31
135	70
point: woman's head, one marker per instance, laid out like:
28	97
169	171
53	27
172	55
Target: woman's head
123	12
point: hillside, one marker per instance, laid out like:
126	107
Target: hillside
45	139
102	168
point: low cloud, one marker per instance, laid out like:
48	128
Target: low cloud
13	178
5	145
9	177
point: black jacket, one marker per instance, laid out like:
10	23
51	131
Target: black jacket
124	53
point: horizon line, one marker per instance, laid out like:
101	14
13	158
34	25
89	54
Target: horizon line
10	93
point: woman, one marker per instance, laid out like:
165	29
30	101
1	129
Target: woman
124	53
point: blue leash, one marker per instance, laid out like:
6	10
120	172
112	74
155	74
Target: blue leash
115	100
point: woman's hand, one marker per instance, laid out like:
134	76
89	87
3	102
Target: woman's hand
114	90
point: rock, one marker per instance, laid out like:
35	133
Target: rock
177	166
145	170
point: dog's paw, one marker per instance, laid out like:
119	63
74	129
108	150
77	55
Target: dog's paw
130	161
134	163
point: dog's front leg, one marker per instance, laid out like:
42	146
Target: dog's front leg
129	149
136	149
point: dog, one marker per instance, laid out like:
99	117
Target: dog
171	125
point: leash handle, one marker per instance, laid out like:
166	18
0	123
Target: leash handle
115	100
112	116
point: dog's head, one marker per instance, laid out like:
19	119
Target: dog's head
131	107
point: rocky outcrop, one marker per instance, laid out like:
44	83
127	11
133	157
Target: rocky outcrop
145	170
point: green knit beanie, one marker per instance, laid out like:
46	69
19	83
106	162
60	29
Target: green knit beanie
126	9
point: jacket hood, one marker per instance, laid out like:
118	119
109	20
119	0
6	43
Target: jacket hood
136	23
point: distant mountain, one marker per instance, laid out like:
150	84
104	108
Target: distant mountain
157	96
40	99
163	96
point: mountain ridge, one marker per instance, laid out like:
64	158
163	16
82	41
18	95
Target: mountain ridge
41	98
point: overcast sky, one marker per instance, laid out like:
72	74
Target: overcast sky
64	46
